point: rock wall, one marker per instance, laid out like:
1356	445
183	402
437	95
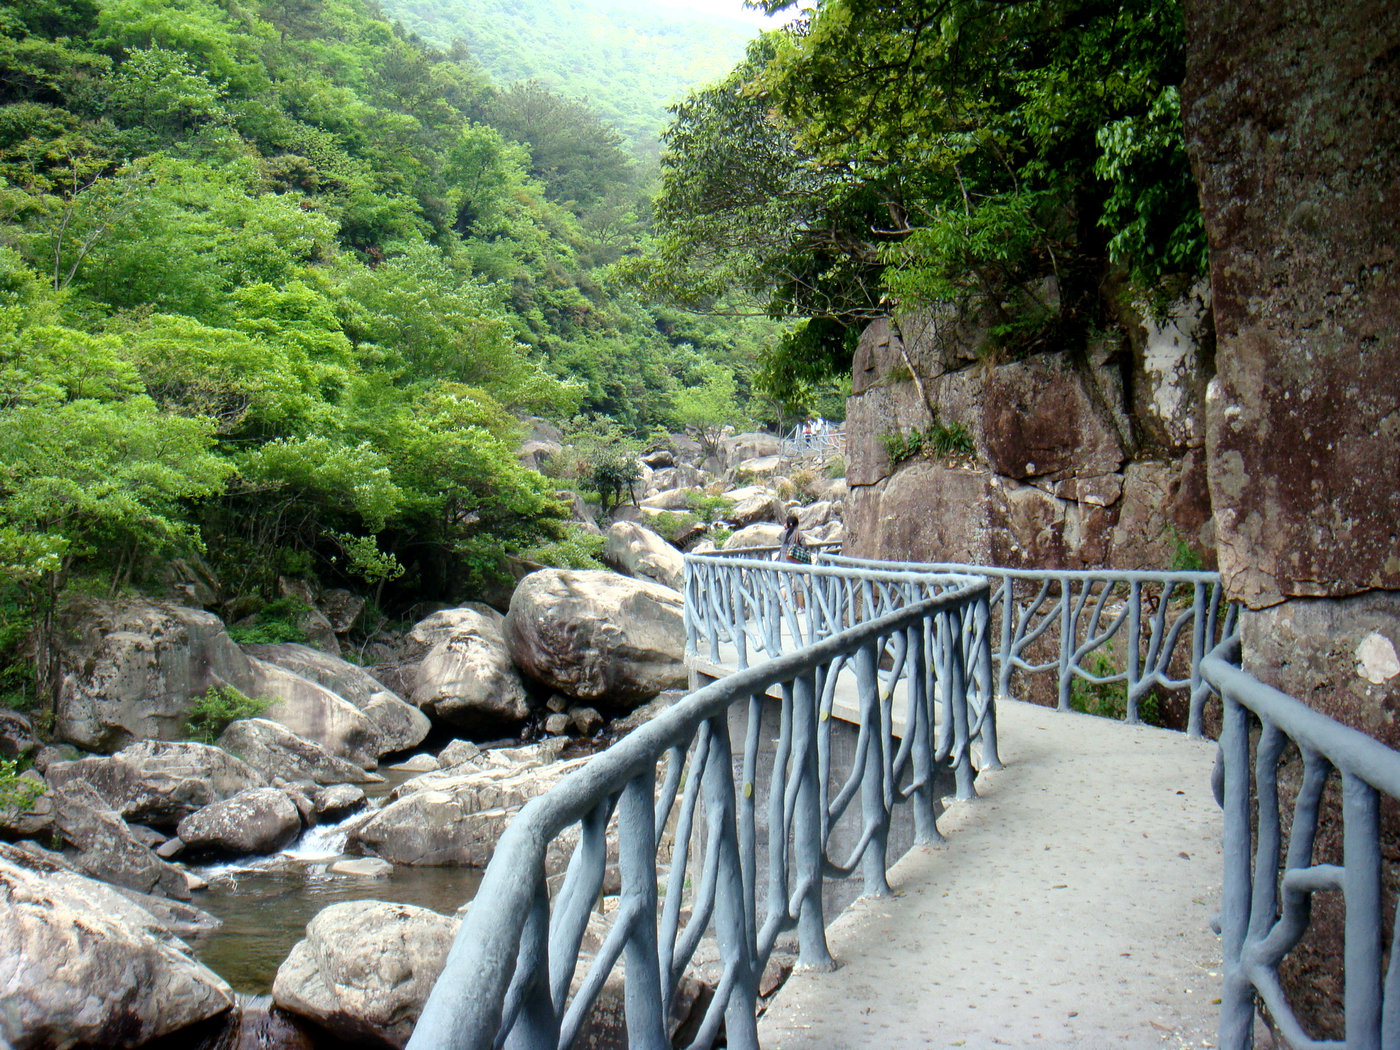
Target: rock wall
1292	117
1090	456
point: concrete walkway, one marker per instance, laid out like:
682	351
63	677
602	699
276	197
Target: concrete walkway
1068	908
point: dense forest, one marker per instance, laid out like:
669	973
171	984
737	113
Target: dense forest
277	282
1023	161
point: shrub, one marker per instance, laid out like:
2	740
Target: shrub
836	467
277	621
576	550
671	526
210	714
942	439
16	793
709	508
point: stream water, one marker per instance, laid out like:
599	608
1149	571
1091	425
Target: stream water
266	902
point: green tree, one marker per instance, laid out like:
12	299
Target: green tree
709	403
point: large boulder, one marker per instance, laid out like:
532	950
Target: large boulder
82	965
313	712
752	504
259	820
739	447
365	969
597	636
467	679
158	783
398	669
28	813
638	552
275	751
761	534
133	667
674	499
454	817
400	724
103	847
16	735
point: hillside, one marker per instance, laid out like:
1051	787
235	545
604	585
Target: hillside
631	60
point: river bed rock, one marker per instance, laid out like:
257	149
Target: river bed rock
103	847
275	751
400	724
80	964
158	782
640	553
467	680
454	816
365	969
597	636
258	820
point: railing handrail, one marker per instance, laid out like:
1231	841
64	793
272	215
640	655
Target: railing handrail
1003	572
491	947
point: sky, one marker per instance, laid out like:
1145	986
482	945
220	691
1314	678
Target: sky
728	8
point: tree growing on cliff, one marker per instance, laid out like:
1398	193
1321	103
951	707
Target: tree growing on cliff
881	156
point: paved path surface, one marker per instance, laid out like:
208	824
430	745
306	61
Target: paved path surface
1068	908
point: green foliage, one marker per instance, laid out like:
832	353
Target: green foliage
709	404
640	57
280	620
17	792
836	467
1185	556
1109	699
938	438
210	714
709	509
874	156
671	526
576	549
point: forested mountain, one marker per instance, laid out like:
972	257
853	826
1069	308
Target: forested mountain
629	59
274	288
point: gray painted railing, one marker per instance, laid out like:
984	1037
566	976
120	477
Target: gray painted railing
1162	624
1268	897
507	980
826	439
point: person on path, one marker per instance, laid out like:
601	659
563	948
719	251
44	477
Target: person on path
795	552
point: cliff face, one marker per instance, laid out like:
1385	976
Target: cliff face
1084	458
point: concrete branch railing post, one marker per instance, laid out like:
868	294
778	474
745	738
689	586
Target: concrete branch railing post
671	789
688	842
1267	903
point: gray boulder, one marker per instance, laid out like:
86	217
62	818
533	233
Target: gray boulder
131	672
338	801
83	965
752	504
313	712
638	552
400	724
275	751
467	679
454	817
103	847
16	735
259	820
597	636
158	783
676	499
762	534
365	969
400	671
740	447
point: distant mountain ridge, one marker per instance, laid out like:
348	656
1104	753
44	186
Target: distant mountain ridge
629	59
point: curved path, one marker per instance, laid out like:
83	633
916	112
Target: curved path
1069	907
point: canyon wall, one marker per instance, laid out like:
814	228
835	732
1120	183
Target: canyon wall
1093	455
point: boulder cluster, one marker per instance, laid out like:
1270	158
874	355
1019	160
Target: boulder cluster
96	889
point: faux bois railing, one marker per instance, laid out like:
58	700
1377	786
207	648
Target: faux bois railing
1267	903
675	787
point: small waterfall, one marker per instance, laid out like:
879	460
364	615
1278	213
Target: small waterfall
323	841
